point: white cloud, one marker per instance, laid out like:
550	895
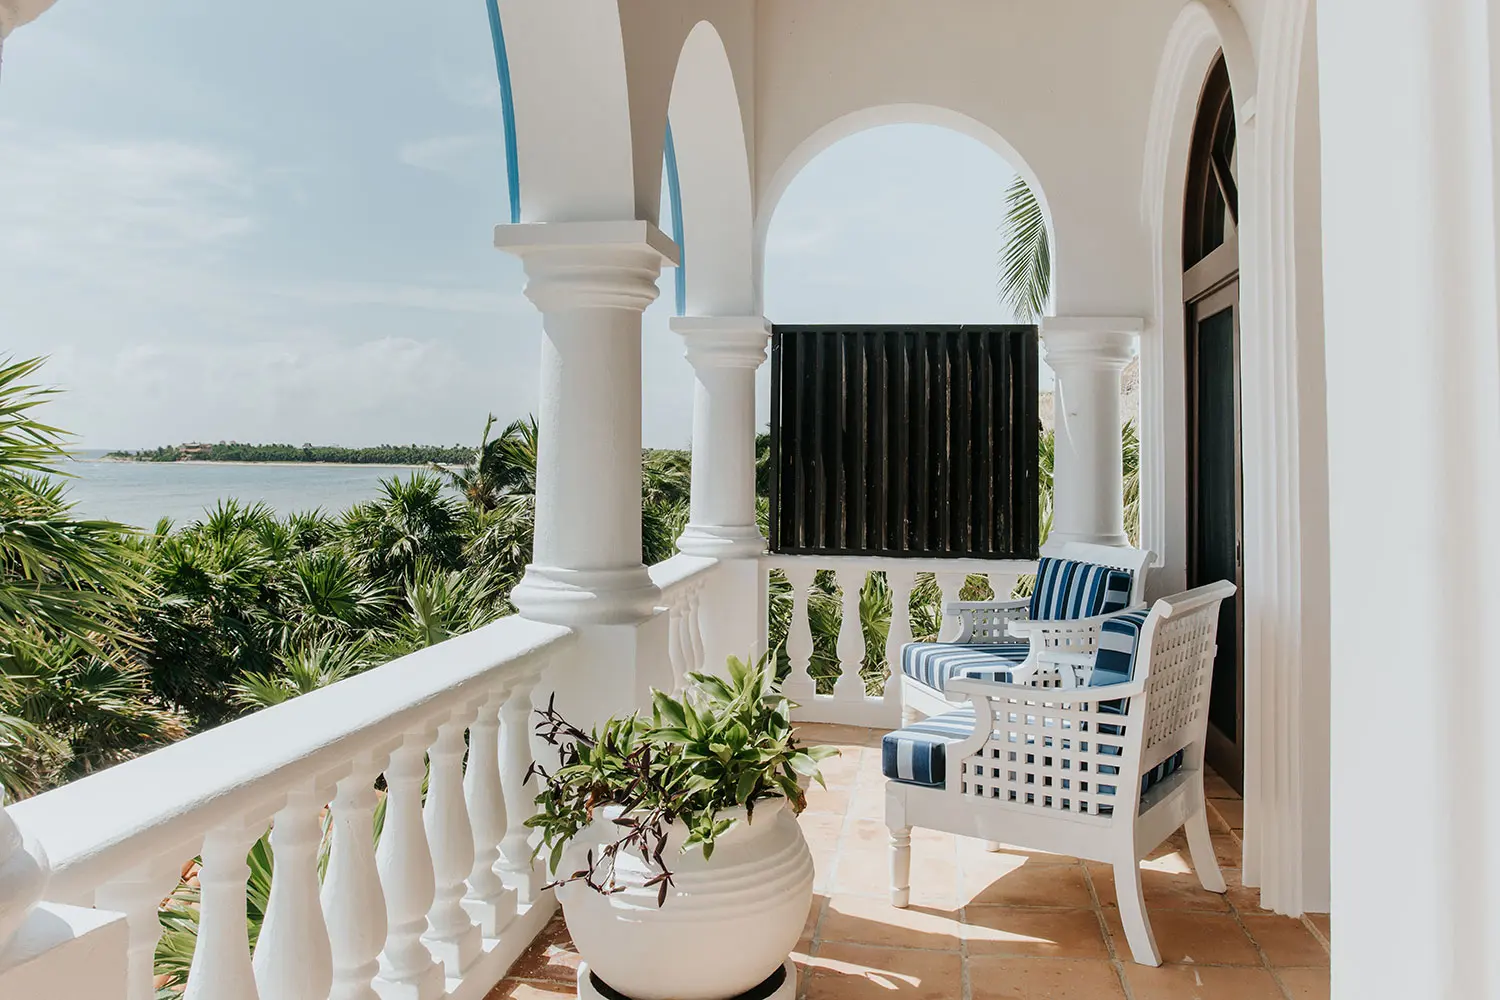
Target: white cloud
448	154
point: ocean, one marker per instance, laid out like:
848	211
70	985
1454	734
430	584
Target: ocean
141	493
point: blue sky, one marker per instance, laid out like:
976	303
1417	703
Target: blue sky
272	222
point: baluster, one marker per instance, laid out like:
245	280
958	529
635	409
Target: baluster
851	643
138	895
676	650
221	967
799	642
293	958
696	655
407	969
951	585
516	864
1004	584
489	901
451	935
353	901
901	582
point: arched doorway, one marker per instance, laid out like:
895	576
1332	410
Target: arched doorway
1211	297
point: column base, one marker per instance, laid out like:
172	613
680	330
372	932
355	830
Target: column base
722	541
586	597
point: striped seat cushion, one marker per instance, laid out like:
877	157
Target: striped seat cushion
1067	588
918	753
936	663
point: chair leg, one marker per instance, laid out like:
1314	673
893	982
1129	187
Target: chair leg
993	845
900	866
1132	902
1201	847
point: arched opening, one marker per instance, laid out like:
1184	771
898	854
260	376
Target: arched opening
1211	298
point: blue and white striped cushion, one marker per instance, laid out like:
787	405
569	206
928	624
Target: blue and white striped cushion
1114	656
918	753
936	663
1067	589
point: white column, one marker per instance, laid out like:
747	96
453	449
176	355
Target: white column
1087	354
1412	340
725	352
591	281
293	957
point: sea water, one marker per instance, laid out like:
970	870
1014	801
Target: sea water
141	493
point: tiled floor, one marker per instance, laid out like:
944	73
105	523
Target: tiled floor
1013	924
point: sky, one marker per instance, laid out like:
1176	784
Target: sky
272	222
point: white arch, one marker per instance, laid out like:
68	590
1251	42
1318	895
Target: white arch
572	110
1284	725
888	114
713	167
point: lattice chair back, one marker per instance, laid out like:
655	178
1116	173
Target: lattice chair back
1093	751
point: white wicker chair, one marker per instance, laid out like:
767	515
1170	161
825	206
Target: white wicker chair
1057	765
983	622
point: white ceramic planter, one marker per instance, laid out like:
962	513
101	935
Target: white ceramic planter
726	925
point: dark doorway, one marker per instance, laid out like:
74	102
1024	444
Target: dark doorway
1211	293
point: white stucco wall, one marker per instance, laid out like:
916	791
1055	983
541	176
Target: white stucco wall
1066	84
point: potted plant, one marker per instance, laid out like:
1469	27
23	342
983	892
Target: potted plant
673	840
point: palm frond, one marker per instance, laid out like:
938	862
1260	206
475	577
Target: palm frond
1025	256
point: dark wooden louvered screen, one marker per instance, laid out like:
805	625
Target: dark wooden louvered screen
904	441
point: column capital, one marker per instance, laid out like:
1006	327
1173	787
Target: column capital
589	265
1090	341
723	341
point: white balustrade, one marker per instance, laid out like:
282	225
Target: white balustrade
353	901
293	957
407	969
683	580
517	867
851	643
120	838
221	967
138	894
849	703
488	900
452	936
799	640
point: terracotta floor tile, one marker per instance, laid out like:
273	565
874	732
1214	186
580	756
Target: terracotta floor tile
867	802
814	914
1005	930
1245	899
1186	936
1200	982
1232	811
873	921
853	972
993	977
1227	850
823	861
511	989
1012	881
1305	984
822	830
971	850
1320	921
841	771
551	956
1216	787
831	734
1286	941
827	800
1167	890
865	871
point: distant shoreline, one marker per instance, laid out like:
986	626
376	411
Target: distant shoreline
251	461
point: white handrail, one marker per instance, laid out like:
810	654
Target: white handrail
107	822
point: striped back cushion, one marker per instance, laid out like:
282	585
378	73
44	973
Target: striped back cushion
1068	588
1119	640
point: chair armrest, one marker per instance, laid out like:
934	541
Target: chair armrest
975	689
982	621
1030	629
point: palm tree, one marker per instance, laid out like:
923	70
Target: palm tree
501	467
1025	255
410	521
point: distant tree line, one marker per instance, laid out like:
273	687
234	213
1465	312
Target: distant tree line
234	451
